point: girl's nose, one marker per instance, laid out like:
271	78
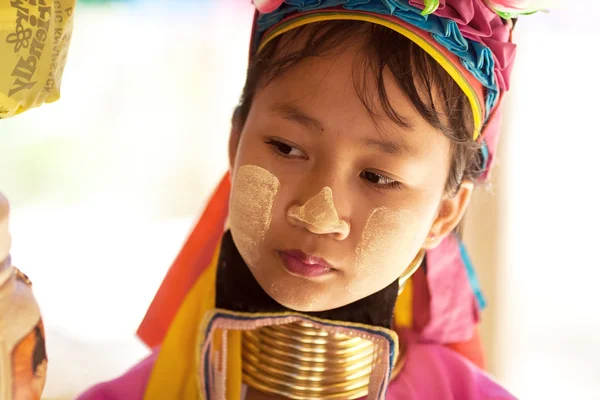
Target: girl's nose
318	215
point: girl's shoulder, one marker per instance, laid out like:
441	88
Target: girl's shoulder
432	371
130	386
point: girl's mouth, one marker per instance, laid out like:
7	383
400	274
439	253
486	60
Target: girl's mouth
301	264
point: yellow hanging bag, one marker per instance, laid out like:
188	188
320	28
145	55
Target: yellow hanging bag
34	42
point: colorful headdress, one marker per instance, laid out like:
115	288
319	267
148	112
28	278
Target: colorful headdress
467	38
472	42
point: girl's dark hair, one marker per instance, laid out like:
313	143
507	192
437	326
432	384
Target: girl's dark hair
434	94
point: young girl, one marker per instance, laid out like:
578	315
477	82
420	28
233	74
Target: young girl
328	262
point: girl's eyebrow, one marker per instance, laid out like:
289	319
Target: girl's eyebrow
390	147
291	112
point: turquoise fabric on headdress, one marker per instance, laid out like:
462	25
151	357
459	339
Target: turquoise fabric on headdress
475	56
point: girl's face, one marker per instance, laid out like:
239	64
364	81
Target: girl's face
329	206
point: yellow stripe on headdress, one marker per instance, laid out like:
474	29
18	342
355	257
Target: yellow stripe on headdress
174	373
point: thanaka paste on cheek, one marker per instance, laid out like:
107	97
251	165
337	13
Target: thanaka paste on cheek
252	198
385	238
319	213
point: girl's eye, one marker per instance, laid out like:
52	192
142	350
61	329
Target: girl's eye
285	150
380	181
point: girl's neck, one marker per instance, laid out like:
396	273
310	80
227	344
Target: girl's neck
237	290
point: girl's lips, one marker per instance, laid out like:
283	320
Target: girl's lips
299	263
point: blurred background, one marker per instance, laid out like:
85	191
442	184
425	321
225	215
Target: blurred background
106	183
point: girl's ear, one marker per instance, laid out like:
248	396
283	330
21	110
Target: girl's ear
234	136
452	210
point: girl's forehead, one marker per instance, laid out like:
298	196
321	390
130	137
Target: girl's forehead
349	70
330	92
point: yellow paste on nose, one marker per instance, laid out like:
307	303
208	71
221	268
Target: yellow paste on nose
319	213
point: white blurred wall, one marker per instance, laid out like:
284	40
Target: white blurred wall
548	330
